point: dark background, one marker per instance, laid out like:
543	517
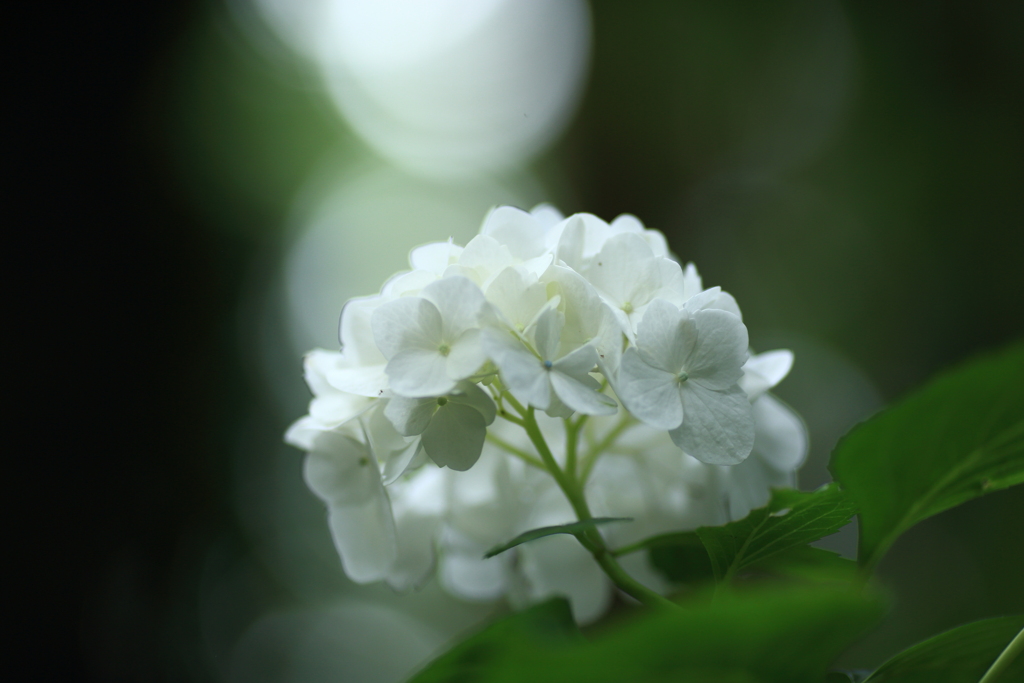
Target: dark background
897	244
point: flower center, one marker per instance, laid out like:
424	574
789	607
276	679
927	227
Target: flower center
442	400
681	377
443	349
627	307
548	364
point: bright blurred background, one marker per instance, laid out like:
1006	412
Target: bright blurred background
202	186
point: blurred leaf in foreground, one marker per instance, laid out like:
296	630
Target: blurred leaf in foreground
959	437
548	624
787	635
961	655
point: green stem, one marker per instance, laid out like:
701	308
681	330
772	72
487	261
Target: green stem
591	538
572	432
595	451
518	452
1004	660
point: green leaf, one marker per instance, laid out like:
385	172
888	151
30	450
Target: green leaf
576	528
963	654
959	437
681	558
811	564
784	635
545	625
789	521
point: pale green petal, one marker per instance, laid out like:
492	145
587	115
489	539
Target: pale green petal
410	416
455	436
472	395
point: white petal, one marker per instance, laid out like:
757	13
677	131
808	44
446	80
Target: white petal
516	299
780	436
485	257
718	426
410	322
521	371
469	576
455	436
578	365
303	433
370	381
571	241
407	284
419	373
546	215
317	365
580	397
703	300
516	229
336	408
627	223
364	536
557	407
435	257
465	355
399	461
717	359
340	470
559	565
650	394
666	336
410	416
459	302
416	538
764	371
547	333
625	271
355	331
691	281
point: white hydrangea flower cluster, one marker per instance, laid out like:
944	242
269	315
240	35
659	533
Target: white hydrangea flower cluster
419	433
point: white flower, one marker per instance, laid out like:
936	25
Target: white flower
431	341
629	276
548	379
330	407
419	475
682	376
344	474
452	426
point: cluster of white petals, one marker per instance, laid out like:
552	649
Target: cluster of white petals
423	466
